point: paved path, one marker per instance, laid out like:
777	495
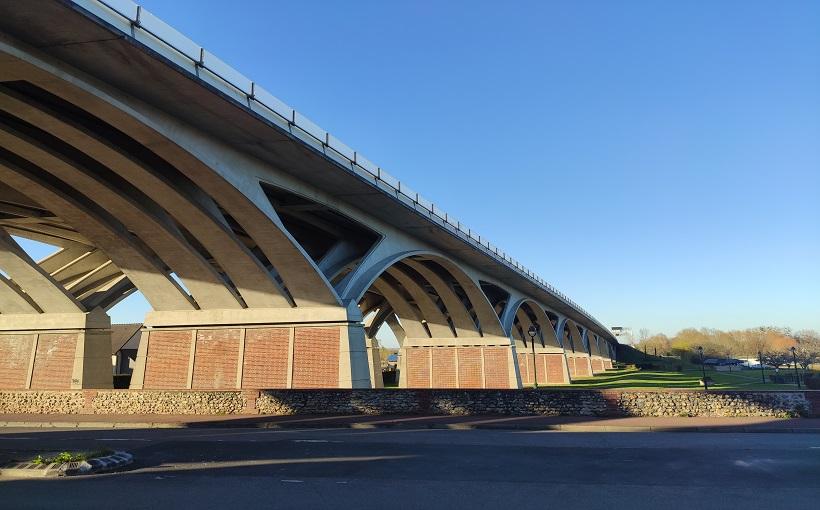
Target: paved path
424	468
564	423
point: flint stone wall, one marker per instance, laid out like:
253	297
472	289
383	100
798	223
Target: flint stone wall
535	403
41	402
168	402
563	402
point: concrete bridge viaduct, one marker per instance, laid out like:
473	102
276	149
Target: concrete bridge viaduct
270	252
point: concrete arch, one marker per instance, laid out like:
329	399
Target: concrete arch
361	280
13	300
432	353
513	310
49	296
378	319
545	361
578	358
90	276
408	315
137	212
524	322
243	201
435	319
252	280
462	322
570	335
142	268
598	358
592	343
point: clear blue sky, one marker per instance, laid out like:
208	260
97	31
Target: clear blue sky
659	162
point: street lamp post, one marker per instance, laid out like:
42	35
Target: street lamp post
762	372
533	331
796	373
703	369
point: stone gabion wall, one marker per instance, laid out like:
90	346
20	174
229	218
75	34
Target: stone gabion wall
771	404
534	403
168	402
41	402
438	402
373	402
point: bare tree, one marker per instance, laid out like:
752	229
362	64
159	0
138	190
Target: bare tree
807	351
775	359
643	335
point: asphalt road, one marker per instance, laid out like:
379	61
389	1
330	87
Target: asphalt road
396	469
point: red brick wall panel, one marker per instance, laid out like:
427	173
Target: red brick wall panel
265	364
15	356
316	358
496	367
469	367
54	361
166	366
444	367
582	367
597	365
216	359
555	369
418	367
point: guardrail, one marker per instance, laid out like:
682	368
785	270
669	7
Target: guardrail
134	20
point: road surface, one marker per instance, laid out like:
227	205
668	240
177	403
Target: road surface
396	469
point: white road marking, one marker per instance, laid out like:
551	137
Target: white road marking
119	439
292	481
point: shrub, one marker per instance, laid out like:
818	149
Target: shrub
63	457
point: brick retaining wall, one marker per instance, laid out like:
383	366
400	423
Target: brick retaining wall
565	402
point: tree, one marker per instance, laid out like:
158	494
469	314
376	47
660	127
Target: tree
754	341
775	359
807	351
643	335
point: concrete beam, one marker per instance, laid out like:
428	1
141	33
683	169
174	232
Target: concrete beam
49	295
140	267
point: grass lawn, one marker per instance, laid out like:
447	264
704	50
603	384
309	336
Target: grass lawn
633	378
